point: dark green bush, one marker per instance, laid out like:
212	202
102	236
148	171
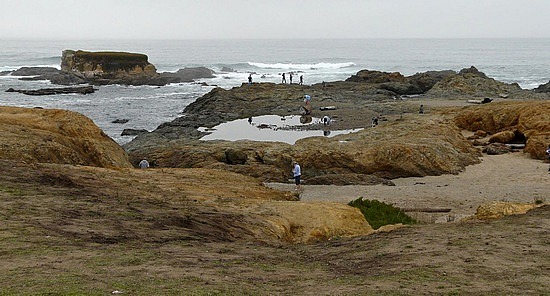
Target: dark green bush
379	214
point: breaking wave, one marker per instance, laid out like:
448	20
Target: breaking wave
291	66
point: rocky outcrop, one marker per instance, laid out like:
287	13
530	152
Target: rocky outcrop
56	136
543	88
447	83
34	71
109	67
528	121
396	149
187	75
102	68
83	90
472	83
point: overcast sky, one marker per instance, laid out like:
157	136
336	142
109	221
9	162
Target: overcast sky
208	19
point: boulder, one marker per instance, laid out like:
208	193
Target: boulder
187	75
497	210
133	132
56	136
496	149
369	76
531	120
503	137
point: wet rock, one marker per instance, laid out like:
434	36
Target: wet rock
133	132
496	149
55	91
187	75
543	88
120	121
34	71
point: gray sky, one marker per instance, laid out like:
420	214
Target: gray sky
207	19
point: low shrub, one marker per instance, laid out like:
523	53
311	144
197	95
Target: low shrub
379	214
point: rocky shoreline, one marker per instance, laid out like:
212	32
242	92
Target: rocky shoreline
406	144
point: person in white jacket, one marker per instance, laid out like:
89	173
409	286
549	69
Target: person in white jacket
297	172
143	164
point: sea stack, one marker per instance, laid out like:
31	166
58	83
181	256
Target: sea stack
109	67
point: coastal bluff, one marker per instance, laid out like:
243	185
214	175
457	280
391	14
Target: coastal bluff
56	136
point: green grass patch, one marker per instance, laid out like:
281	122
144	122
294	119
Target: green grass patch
379	214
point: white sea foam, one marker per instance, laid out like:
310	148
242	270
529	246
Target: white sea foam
291	66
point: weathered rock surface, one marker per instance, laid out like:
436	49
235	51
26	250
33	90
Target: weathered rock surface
83	90
500	209
109	67
34	71
56	136
397	149
472	83
543	88
528	120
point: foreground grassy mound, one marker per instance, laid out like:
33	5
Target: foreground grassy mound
379	214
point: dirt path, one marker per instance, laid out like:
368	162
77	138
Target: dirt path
511	177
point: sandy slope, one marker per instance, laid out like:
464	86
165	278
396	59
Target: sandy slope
511	177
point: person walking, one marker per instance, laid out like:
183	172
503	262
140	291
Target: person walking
301	79
297	172
284	78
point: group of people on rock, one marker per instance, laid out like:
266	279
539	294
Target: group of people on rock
283	80
290	77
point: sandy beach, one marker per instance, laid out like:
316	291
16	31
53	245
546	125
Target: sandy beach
512	177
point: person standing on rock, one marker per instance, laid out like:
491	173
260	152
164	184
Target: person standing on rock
301	79
143	164
284	78
297	172
250	79
290	76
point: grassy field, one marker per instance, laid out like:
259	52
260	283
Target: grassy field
74	231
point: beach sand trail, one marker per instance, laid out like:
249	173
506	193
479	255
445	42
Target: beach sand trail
512	177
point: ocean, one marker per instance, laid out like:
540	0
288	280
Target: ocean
524	61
